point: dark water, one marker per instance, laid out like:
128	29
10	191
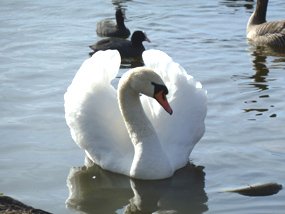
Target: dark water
42	45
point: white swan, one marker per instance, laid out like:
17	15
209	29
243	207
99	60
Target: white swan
263	33
135	137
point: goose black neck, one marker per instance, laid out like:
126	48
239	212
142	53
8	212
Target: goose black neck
120	18
259	16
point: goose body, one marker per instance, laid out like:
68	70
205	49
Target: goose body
126	133
263	33
107	28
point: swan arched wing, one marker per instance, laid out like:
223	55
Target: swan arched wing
92	112
179	132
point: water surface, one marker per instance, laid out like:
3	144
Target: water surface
43	43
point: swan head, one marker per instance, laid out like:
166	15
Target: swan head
145	81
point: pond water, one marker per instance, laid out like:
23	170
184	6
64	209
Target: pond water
43	43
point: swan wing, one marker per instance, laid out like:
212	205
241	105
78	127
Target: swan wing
92	112
179	132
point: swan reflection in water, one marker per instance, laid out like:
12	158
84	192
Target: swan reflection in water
92	189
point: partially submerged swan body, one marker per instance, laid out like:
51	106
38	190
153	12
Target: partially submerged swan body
262	33
124	132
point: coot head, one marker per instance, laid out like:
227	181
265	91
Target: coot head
138	37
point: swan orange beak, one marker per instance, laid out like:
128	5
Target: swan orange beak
161	99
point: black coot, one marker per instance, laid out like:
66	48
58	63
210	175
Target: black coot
128	49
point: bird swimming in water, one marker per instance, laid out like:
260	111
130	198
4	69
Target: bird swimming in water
263	33
107	28
128	49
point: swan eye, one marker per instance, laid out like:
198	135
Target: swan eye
159	87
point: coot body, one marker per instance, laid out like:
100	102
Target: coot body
127	48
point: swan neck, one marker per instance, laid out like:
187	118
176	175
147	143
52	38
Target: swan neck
150	161
138	125
259	15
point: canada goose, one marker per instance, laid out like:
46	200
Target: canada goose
107	28
262	33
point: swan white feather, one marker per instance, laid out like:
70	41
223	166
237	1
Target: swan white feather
97	126
180	132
